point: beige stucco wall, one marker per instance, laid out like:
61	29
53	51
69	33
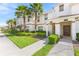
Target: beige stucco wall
77	26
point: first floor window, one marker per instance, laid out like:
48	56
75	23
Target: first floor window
29	17
27	28
40	28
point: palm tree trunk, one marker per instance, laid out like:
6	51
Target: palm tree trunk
35	21
24	23
11	26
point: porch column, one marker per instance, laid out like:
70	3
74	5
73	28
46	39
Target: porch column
57	29
73	31
46	30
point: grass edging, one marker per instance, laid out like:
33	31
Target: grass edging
21	41
44	50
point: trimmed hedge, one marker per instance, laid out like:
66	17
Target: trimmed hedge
77	35
53	39
41	34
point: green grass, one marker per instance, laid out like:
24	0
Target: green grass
43	51
76	52
21	41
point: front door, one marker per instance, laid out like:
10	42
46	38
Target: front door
66	30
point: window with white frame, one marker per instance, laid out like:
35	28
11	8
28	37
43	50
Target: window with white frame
61	8
76	18
46	16
40	28
29	18
38	19
27	28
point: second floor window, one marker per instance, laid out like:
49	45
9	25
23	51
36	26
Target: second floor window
29	17
46	18
38	19
61	8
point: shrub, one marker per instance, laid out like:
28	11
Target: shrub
27	30
32	31
77	36
41	33
53	39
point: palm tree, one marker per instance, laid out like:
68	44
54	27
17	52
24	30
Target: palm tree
37	10
22	11
14	23
11	23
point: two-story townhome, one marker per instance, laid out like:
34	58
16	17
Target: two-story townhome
65	20
30	22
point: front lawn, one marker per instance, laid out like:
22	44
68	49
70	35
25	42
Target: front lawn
43	51
21	41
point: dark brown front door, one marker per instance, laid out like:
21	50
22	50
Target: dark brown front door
66	30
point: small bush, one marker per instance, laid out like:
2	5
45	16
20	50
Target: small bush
41	33
77	36
32	31
53	39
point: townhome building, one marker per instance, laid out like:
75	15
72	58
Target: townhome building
41	23
63	20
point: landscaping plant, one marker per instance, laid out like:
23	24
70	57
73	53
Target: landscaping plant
77	35
53	39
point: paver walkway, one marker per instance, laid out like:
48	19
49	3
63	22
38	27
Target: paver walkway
63	48
8	48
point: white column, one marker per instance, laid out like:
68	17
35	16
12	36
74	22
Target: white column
73	31
46	30
50	29
57	29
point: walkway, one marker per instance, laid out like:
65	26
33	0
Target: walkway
8	48
63	48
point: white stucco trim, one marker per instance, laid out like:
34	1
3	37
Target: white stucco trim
73	31
57	29
46	27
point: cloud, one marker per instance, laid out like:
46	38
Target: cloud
4	10
13	5
5	13
3	24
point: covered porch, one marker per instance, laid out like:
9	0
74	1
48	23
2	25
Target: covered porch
64	28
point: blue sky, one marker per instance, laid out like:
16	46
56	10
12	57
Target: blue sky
7	10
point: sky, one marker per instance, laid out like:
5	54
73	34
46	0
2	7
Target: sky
7	10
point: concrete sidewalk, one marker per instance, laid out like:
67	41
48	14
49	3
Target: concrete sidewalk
63	48
8	48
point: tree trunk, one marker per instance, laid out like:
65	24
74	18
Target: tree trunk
11	26
35	21
24	23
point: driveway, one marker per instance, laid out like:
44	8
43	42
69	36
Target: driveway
63	48
8	48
